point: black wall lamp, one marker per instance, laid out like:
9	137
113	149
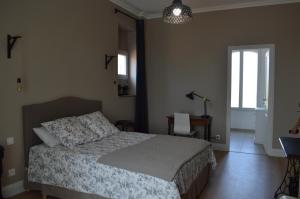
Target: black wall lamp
108	59
192	96
11	41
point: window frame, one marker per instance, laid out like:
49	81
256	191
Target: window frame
241	76
123	77
231	65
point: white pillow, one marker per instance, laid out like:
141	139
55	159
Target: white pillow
98	124
69	131
46	137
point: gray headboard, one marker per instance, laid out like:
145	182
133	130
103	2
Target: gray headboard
34	115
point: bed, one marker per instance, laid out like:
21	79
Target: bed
98	170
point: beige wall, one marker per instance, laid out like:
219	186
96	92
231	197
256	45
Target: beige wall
182	58
61	54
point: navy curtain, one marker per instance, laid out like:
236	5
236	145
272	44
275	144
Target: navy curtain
141	104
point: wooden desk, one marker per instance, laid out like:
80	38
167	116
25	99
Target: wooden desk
125	125
195	121
290	183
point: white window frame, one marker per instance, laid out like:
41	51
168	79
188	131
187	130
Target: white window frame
241	86
124	77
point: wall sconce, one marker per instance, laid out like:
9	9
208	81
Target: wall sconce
11	41
19	85
108	59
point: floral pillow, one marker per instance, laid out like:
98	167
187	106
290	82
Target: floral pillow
98	124
70	132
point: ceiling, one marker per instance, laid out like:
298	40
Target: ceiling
154	8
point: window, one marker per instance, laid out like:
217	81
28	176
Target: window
250	69
235	79
122	65
244	78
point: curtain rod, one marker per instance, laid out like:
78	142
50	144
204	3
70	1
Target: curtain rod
124	13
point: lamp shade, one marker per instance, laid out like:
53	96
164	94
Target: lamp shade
177	13
190	95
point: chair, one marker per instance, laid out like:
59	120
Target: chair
290	197
182	125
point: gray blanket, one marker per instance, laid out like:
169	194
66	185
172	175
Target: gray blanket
161	156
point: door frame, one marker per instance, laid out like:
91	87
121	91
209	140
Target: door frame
268	145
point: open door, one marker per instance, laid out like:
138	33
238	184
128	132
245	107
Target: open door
262	112
250	94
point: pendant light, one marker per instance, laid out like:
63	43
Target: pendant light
177	13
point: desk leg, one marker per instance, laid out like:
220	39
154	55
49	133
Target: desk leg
209	134
289	185
169	128
206	133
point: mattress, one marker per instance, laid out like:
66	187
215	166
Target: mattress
77	169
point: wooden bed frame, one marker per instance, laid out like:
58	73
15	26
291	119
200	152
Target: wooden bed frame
34	115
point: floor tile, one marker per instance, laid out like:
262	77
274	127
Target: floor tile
243	142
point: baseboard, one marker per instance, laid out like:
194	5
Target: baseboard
255	142
13	189
220	147
243	130
275	152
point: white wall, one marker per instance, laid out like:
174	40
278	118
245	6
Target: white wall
243	119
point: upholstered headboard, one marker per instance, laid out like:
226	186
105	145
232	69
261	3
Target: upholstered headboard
34	115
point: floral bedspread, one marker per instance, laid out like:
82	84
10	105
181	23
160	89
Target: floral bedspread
77	169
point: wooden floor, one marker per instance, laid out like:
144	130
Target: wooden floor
237	176
243	142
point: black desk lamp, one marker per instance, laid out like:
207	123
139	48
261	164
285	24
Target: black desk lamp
205	100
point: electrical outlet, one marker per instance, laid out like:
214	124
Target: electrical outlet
11	172
10	141
218	137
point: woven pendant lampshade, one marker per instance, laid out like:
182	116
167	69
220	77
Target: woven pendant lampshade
177	13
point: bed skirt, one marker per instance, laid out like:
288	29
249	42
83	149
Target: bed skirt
51	191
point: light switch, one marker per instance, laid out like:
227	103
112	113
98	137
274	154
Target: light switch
10	141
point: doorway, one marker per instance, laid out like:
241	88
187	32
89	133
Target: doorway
250	94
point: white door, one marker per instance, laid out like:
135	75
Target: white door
262	97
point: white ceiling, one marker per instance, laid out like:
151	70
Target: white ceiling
154	8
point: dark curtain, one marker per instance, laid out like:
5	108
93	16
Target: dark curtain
141	104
